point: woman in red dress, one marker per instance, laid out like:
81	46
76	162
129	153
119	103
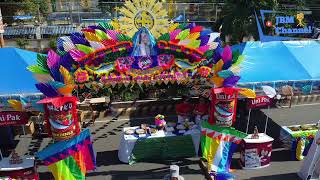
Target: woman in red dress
184	110
201	110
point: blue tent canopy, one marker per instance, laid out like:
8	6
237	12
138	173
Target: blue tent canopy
15	78
279	61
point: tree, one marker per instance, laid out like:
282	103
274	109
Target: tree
238	16
22	43
37	8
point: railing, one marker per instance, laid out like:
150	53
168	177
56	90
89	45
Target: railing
76	12
299	86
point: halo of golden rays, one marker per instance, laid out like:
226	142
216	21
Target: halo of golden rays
143	13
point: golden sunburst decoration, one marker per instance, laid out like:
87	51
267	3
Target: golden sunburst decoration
150	14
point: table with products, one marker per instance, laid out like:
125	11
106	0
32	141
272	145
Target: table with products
160	145
24	170
298	139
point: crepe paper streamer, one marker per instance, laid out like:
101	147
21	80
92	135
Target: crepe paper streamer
77	38
216	56
67	77
226	54
294	149
66	61
196	29
184	42
164	37
37	69
55	72
91	36
227	65
102	35
204	48
213	37
204	40
70	159
218	66
300	149
249	93
105	25
193	36
42	62
56	84
308	146
235	69
109	42
96	45
205	32
235	56
218	81
231	81
173	27
105	69
223	176
77	54
112	34
67	90
225	74
240	59
194	43
52	59
174	34
47	89
183	34
85	49
43	78
185	65
269	91
15	104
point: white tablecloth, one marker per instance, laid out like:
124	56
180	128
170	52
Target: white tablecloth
128	141
28	161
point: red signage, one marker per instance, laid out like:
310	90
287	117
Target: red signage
13	118
259	101
223	106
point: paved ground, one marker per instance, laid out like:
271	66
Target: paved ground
106	133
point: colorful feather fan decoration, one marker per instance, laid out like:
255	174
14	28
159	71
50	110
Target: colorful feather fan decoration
70	159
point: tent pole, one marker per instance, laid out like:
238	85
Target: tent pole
248	122
267	119
1	155
23	130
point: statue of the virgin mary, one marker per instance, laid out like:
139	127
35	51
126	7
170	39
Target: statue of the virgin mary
143	43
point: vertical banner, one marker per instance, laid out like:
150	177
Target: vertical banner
223	106
61	117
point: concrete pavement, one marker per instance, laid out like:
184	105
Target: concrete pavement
106	134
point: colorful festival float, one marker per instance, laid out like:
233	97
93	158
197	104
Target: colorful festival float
141	48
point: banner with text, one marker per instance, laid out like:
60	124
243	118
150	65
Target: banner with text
259	102
13	118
